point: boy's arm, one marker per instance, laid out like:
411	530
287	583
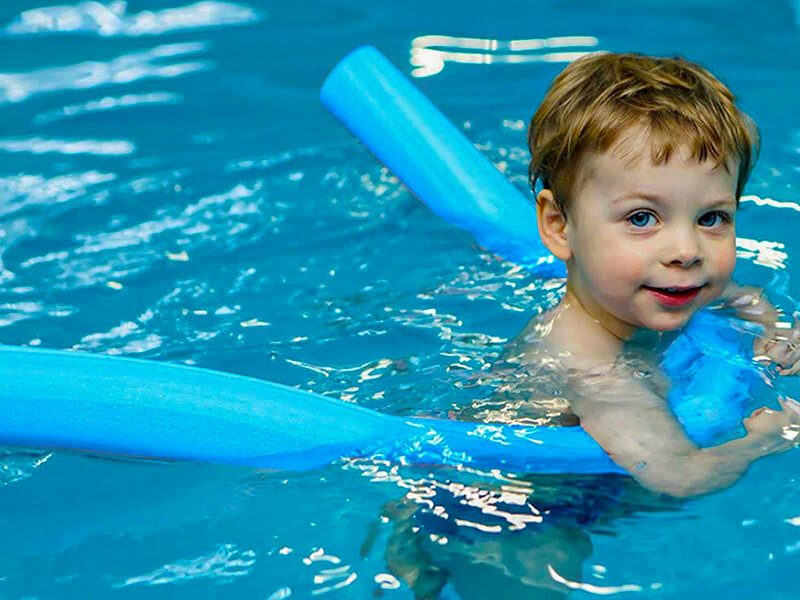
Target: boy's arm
637	429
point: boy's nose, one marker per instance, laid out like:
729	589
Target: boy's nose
685	260
684	251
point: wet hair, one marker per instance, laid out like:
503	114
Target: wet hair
600	98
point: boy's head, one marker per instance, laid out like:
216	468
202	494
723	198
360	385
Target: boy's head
642	162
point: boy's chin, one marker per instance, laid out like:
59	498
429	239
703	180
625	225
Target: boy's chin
669	322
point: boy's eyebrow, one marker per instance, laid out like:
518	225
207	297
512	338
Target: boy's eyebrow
637	196
658	199
727	201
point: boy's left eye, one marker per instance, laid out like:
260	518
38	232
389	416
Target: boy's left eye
713	218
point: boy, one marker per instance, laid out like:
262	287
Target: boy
642	162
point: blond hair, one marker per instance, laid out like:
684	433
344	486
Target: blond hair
598	97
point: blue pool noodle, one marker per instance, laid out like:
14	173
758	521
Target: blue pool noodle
128	407
431	156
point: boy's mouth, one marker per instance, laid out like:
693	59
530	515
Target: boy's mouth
674	296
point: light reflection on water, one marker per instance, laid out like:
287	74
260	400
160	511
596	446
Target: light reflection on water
505	526
225	563
47	146
108	103
123	70
111	19
430	53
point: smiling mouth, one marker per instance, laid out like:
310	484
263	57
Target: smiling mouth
674	296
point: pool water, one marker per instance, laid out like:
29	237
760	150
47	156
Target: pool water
171	189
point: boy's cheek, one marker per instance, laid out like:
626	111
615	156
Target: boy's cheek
727	263
722	272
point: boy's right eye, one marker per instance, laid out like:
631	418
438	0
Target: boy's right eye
642	219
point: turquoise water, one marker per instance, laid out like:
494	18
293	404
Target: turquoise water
171	189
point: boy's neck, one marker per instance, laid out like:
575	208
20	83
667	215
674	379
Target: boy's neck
605	337
594	317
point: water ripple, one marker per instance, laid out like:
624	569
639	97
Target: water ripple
38	145
108	103
429	53
141	342
24	190
125	69
329	579
16	465
226	562
758	201
14	312
762	252
110	19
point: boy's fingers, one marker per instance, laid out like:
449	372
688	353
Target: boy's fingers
784	349
794	416
789	404
790	409
792	369
793	341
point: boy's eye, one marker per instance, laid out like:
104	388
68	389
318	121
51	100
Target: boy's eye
713	219
642	219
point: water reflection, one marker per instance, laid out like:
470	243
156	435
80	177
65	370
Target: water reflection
126	69
429	53
106	104
762	252
329	578
463	531
23	191
758	201
39	145
110	19
18	464
226	562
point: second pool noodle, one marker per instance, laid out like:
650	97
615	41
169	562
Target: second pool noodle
121	406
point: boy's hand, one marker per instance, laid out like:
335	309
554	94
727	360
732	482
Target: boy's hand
775	430
778	345
750	304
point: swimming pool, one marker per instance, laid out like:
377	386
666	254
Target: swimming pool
171	189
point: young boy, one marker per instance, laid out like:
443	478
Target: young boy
642	163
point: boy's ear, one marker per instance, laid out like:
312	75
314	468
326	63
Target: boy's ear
552	223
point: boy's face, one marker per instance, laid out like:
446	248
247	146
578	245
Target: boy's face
650	245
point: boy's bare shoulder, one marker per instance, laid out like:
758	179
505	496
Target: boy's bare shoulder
592	364
559	338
